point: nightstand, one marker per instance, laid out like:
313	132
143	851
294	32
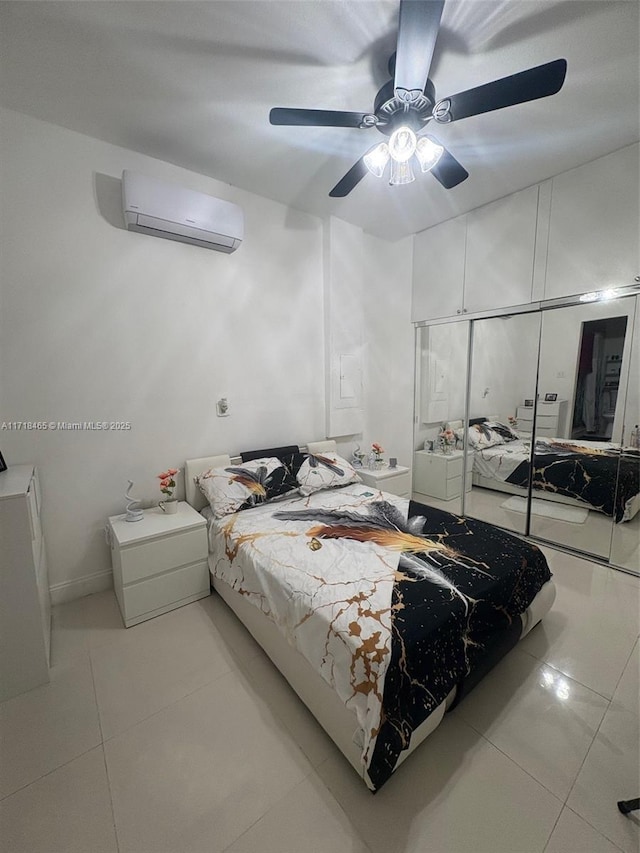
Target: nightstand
439	475
396	480
549	422
159	563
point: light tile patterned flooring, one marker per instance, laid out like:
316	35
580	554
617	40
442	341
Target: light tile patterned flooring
178	735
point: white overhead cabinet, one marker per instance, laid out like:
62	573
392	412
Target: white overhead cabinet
594	226
476	262
438	270
500	246
575	233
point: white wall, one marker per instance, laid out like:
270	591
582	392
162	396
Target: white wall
99	324
389	347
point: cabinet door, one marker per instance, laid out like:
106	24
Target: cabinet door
501	239
594	224
438	270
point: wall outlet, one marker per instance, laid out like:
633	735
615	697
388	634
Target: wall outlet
222	408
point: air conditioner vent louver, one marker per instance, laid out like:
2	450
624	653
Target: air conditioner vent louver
166	210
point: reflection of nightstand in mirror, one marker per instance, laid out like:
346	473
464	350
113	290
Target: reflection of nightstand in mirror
550	420
439	475
395	480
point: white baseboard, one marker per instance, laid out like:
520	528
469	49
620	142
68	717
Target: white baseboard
78	588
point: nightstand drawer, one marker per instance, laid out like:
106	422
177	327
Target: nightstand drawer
168	589
398	485
160	555
454	467
524	413
454	488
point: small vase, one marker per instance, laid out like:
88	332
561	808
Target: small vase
378	464
169	506
447	449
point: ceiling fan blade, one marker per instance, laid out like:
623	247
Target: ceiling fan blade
448	171
538	82
320	118
355	174
417	33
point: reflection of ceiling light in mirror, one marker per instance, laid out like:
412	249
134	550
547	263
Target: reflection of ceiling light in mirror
428	153
376	159
401	173
402	144
599	295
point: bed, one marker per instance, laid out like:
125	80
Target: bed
381	613
589	474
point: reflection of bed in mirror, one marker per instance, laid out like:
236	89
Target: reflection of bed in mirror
587	474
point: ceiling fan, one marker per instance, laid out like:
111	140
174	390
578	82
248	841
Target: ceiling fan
407	103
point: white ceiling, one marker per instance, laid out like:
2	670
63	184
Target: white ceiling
192	83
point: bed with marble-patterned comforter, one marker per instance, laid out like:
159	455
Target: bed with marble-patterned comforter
393	603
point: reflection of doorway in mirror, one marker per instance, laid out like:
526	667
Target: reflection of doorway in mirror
598	378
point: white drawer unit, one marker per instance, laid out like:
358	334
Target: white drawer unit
159	563
25	608
439	475
396	480
550	420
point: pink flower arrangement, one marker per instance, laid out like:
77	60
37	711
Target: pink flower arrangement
377	450
512	421
447	436
167	483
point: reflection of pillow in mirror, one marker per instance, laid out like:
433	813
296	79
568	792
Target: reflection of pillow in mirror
503	430
482	436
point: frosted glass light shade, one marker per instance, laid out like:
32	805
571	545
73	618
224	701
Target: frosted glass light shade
428	153
401	173
402	144
376	159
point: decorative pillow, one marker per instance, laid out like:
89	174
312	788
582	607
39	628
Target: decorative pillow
503	430
480	436
314	472
239	487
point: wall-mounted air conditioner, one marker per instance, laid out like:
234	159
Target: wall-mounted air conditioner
166	210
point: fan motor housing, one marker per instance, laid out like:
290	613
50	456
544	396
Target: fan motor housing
392	112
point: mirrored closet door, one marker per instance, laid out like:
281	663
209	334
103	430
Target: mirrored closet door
502	391
546	407
625	541
442	353
583	370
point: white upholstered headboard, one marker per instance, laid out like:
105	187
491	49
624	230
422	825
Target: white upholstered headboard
194	467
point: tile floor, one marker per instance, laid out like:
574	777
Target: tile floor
178	735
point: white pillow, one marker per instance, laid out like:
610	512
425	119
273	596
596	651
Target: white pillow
480	436
236	487
324	471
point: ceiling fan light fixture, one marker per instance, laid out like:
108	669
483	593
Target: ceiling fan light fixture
402	144
401	173
428	152
377	158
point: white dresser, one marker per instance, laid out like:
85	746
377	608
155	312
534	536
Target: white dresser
25	608
550	421
396	480
439	475
159	563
